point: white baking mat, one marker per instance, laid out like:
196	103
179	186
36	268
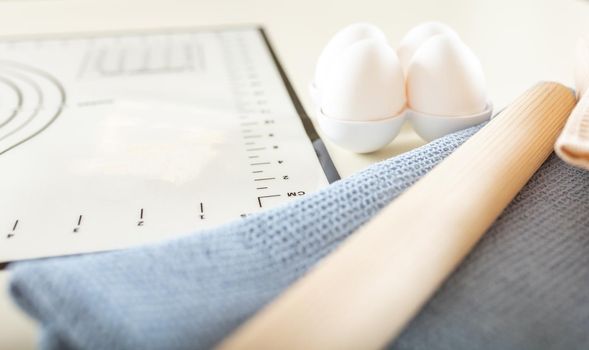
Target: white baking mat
108	141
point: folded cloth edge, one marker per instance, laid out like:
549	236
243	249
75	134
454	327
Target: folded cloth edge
33	281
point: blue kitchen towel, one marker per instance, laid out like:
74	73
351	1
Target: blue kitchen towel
190	292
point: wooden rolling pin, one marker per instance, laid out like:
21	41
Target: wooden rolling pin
362	295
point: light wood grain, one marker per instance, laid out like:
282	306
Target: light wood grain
362	295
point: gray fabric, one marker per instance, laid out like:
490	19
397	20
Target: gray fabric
190	292
526	284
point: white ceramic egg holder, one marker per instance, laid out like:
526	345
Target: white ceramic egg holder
433	81
365	137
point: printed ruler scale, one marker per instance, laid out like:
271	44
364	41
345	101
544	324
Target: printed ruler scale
109	141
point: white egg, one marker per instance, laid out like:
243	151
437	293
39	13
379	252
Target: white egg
365	83
445	78
582	66
339	42
417	36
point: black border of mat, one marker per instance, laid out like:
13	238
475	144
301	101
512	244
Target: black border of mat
320	149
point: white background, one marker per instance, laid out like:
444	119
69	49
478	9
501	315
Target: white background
518	43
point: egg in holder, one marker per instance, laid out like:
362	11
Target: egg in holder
365	90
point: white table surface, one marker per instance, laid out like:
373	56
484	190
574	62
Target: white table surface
518	43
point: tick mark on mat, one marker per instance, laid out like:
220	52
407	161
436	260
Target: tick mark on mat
265	179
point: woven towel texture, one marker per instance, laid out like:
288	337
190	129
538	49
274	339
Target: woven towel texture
524	285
